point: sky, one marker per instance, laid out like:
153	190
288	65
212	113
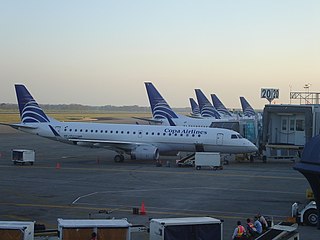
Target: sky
101	52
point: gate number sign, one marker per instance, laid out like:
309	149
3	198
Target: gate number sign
269	93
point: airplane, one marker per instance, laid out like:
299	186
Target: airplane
195	110
144	142
248	111
207	110
220	106
162	112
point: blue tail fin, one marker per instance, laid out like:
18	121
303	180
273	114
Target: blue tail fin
206	108
219	105
248	111
30	112
159	107
194	107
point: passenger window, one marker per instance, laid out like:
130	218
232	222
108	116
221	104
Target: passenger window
105	131
101	131
300	125
284	125
86	130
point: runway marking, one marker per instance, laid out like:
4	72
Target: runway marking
177	212
185	188
215	173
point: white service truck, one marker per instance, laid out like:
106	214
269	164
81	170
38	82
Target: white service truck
205	228
305	214
22	156
207	159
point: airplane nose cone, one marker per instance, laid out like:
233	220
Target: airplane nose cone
251	147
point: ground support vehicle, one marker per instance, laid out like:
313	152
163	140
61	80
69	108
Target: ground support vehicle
211	160
305	214
22	156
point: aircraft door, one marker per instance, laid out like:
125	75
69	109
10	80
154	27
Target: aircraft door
219	138
300	134
57	128
287	130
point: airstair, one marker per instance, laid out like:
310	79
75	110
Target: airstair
187	161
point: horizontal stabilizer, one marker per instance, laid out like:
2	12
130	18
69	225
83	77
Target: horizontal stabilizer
19	126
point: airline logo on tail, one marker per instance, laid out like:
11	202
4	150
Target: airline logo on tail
194	107
159	107
246	108
30	112
206	108
219	105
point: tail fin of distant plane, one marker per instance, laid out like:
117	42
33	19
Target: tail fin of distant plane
206	108
219	105
159	107
248	111
195	110
30	112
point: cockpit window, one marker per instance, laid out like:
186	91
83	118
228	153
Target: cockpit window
239	136
233	136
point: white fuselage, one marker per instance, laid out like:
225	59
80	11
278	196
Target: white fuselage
167	139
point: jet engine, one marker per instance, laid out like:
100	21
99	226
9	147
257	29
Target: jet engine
145	152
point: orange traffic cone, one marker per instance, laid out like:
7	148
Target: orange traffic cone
58	166
142	210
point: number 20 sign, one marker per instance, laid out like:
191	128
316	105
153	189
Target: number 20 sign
269	93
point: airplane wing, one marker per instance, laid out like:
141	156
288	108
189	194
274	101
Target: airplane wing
19	126
109	144
149	120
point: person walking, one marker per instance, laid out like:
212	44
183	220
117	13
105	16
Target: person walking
239	232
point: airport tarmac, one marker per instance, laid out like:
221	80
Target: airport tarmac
73	182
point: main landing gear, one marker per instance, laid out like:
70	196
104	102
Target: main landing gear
118	158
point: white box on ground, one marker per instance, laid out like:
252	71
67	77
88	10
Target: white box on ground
205	228
207	159
16	230
70	229
23	156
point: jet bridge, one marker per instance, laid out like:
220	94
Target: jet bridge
287	128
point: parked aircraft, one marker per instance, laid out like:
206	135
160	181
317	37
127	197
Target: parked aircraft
220	106
161	112
247	110
195	110
207	110
139	141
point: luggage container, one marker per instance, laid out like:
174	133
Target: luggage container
210	160
111	229
16	230
204	228
22	156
